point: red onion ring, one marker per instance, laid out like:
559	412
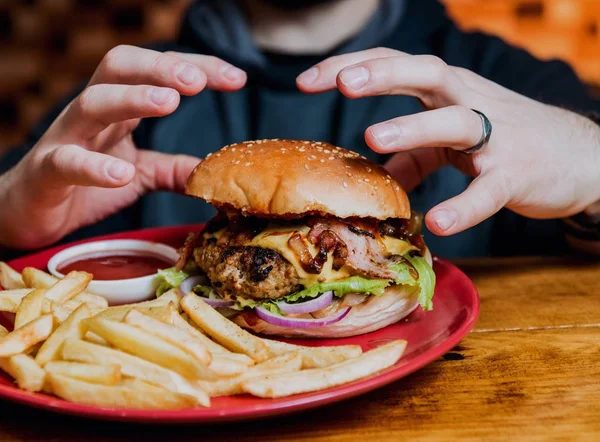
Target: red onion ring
313	305
190	282
218	303
282	321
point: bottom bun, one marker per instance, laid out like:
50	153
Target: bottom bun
377	312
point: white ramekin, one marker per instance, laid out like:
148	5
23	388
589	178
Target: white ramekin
121	291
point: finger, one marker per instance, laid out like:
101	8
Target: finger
73	165
412	167
101	105
456	127
133	66
486	195
423	76
160	171
220	75
322	76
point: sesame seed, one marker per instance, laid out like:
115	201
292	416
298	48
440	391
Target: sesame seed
258	141
306	142
332	158
306	166
233	149
387	181
313	157
345	184
348	173
248	164
397	188
376	188
327	151
232	161
217	154
237	162
360	180
368	169
322	160
208	156
318	142
347	167
250	145
388	177
301	149
367	180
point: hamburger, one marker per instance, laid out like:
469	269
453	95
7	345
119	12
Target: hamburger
310	240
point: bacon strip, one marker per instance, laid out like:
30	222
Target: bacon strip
364	254
185	253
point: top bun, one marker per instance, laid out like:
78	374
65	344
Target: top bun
291	179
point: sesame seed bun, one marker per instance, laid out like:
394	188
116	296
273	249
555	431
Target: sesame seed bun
291	179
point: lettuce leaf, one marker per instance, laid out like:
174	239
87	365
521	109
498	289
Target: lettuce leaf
426	280
169	278
354	284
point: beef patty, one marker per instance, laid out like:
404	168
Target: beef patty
247	271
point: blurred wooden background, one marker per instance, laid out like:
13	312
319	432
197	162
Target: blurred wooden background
49	46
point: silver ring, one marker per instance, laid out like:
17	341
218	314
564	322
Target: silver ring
486	133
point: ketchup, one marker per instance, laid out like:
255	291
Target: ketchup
107	266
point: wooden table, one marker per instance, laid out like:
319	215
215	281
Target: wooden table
529	371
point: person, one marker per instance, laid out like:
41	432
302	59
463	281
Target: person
114	156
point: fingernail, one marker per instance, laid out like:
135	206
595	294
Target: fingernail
161	95
444	218
117	170
232	73
355	77
386	133
188	74
309	76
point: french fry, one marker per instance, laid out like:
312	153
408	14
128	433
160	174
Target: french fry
91	300
71	327
226	366
169	333
61	312
3	331
10	299
118	313
287	363
68	287
222	330
138	384
279	385
27	374
87	393
135	341
30	307
37	279
78	350
22	339
95	339
10	279
315	357
221	356
93	373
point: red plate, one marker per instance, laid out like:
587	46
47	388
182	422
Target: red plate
429	336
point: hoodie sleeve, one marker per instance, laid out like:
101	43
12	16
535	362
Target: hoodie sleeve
552	82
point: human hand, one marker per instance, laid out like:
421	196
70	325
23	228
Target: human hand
541	161
86	166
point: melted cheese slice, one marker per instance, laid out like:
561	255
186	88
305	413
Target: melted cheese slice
276	237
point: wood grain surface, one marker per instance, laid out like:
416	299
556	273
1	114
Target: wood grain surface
530	371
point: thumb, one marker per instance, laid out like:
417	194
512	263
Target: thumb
411	167
160	171
485	196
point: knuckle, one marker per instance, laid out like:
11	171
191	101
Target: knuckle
381	52
110	61
438	69
86	99
59	157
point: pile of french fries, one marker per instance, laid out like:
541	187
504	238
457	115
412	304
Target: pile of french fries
168	353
